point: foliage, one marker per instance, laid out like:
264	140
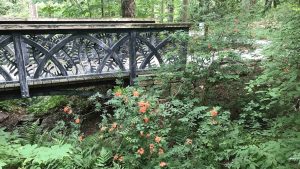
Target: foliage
37	106
219	110
12	8
13	105
277	88
42	105
13	153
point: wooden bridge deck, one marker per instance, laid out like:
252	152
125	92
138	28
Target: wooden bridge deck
35	56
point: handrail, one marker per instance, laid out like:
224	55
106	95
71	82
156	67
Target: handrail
7	28
61	21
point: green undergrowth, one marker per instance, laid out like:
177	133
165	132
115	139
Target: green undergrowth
37	106
148	132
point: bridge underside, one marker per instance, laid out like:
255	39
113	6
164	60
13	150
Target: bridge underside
85	85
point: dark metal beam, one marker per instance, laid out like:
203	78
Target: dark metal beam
21	65
132	56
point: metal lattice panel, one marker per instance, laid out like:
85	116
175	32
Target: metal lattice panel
40	55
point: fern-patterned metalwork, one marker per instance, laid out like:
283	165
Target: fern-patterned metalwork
81	52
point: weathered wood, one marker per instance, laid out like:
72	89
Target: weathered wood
109	27
21	65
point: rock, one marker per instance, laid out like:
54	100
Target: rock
3	116
26	118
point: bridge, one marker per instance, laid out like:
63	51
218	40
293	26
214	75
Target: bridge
38	56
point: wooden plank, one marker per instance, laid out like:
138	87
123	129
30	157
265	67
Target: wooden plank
92	26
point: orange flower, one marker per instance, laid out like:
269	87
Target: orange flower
214	112
189	141
118	93
77	121
136	94
114	125
143	106
157	139
146	120
160	151
80	138
143	109
141	151
163	164
67	110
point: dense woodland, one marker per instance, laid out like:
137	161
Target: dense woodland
235	112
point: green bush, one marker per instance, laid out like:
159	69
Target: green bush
42	105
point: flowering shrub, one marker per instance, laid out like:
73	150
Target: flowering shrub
138	128
146	133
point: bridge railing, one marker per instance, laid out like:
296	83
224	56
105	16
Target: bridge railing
33	52
72	21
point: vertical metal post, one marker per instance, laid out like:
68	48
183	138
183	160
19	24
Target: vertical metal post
132	56
21	65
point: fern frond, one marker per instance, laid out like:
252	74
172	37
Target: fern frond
30	132
104	157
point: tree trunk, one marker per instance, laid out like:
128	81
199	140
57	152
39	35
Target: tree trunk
152	10
269	3
170	10
162	11
128	8
102	8
33	10
185	10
